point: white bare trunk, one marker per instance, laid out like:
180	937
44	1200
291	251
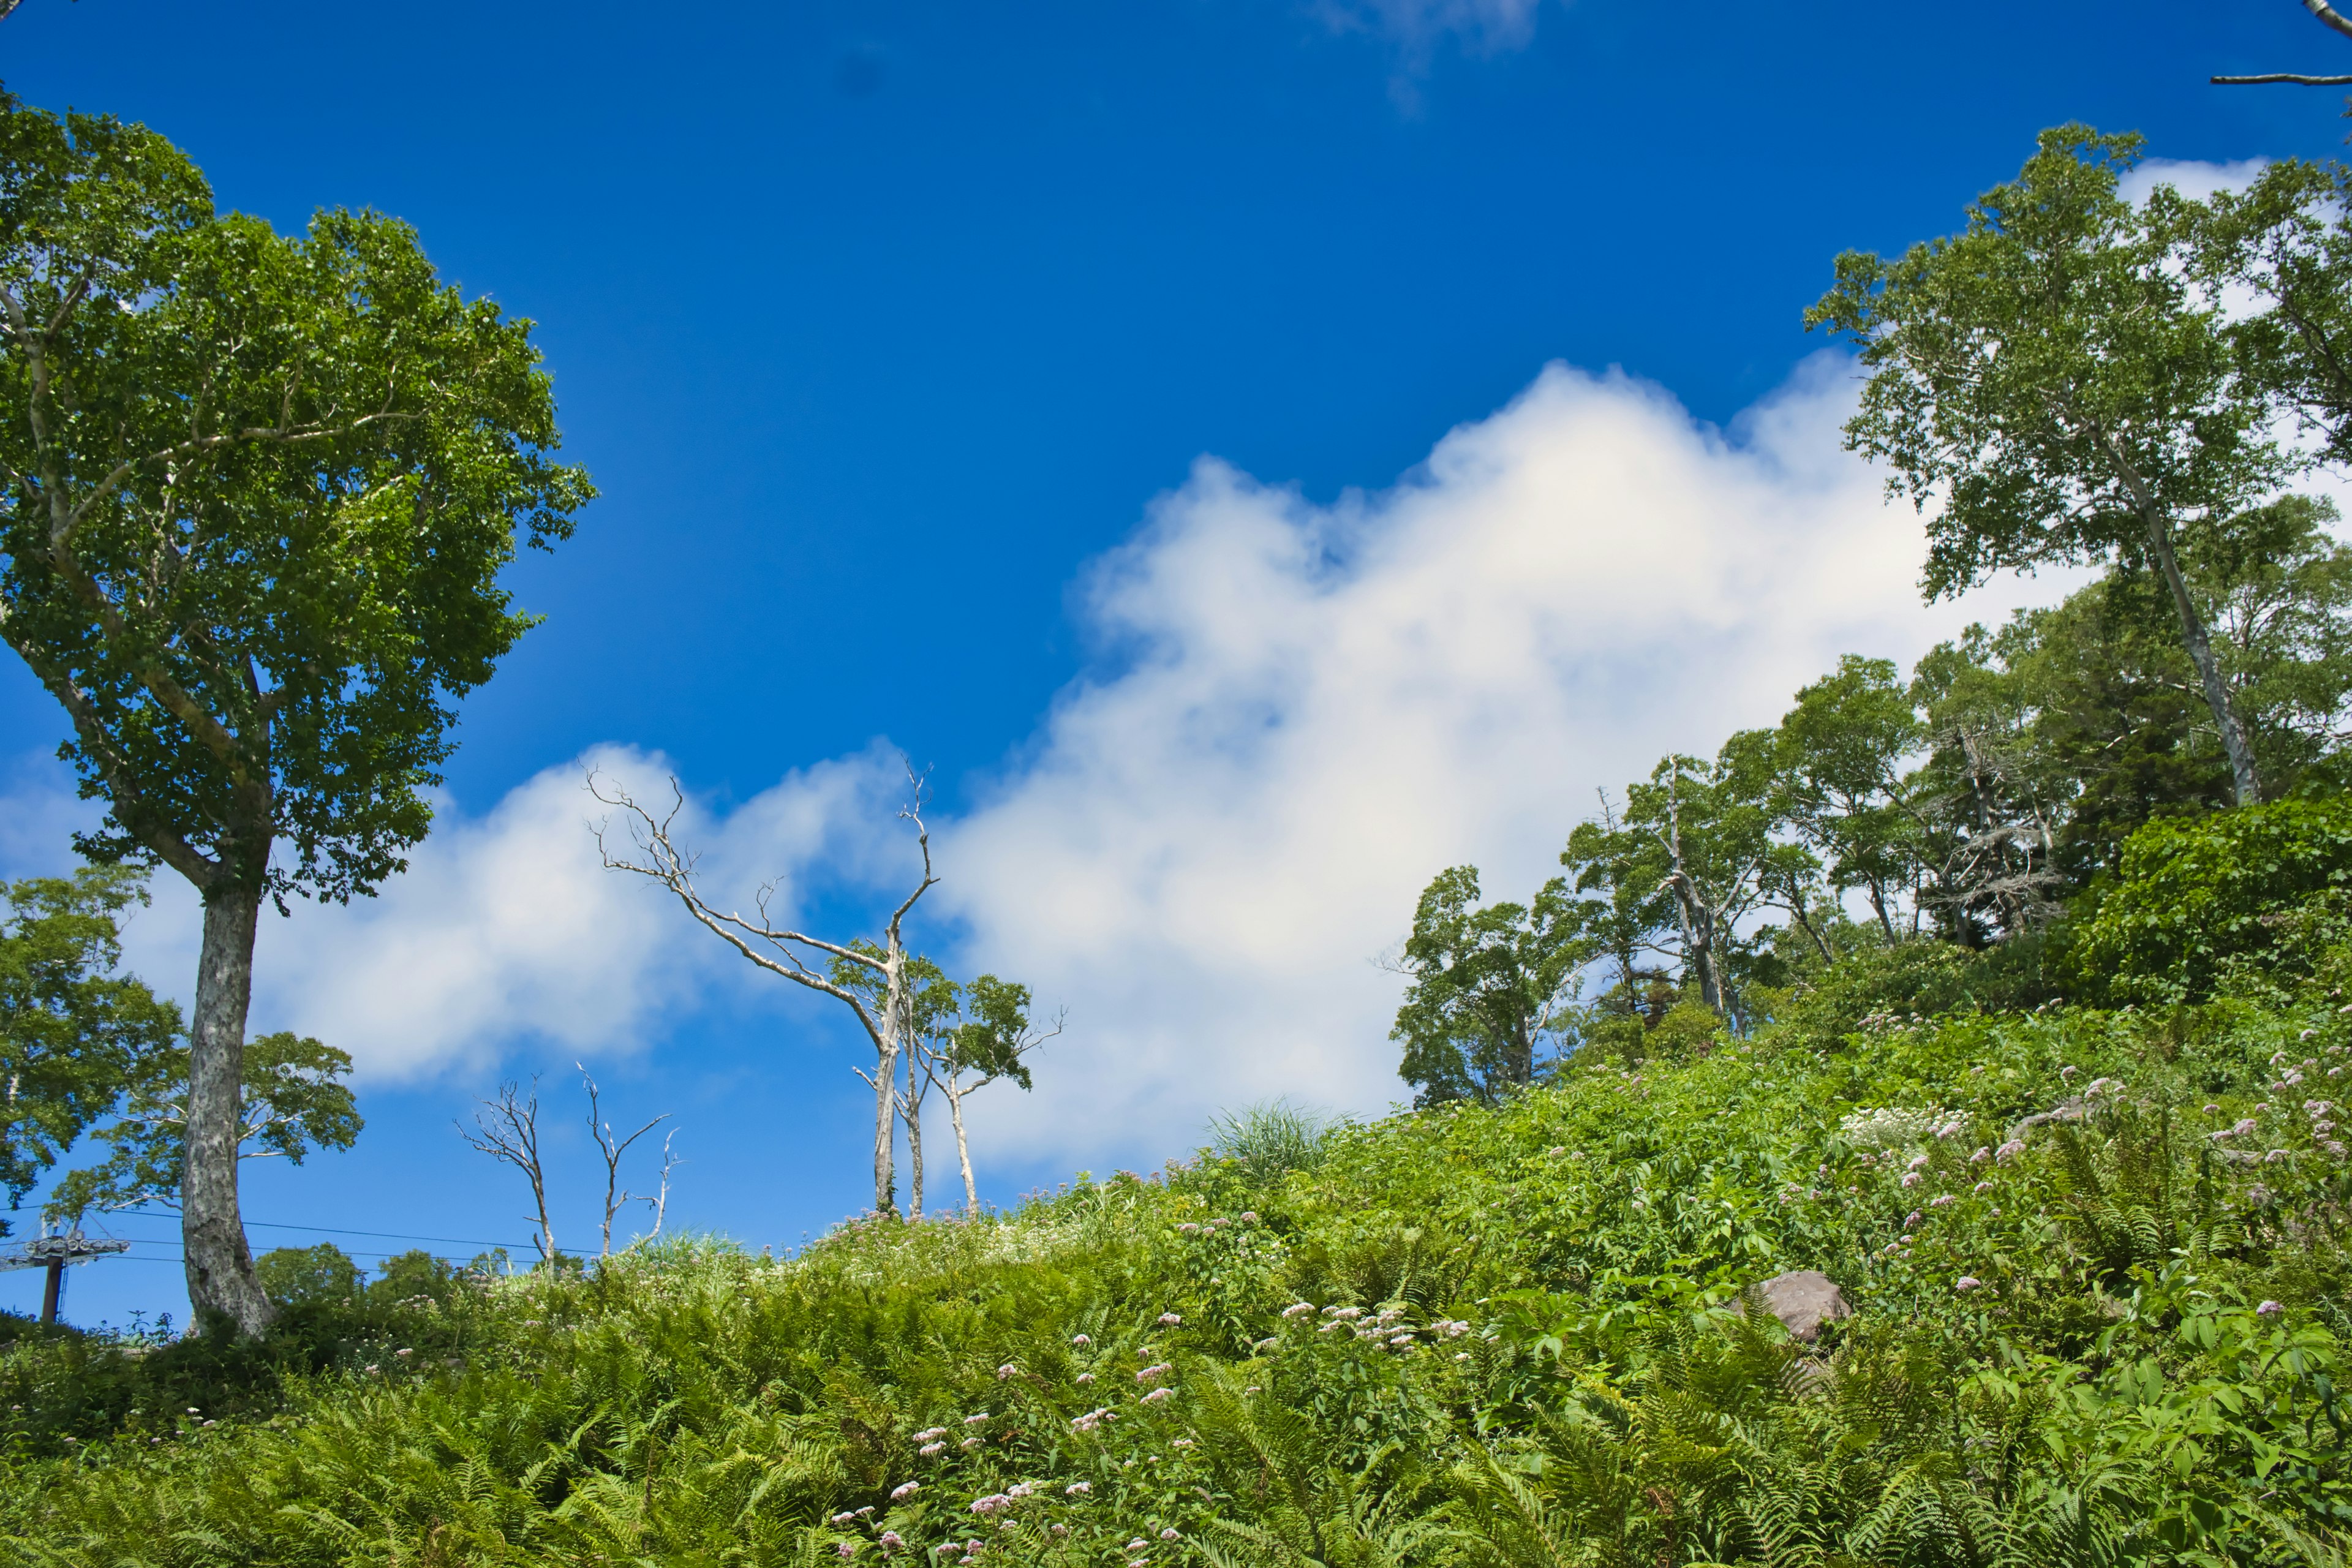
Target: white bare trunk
913	1110
886	1076
963	1149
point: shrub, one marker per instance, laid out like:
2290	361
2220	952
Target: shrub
2196	899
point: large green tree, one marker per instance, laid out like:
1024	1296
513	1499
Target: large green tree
2058	736
255	494
2058	383
1489	986
2286	241
1693	853
75	1033
1840	755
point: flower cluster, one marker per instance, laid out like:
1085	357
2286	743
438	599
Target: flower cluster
1888	1127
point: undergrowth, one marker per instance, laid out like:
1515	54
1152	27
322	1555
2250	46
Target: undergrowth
2095	1258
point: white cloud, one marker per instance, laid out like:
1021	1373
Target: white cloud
2191	178
1481	25
1296	715
506	932
1314	710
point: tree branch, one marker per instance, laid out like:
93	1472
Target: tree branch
2279	76
664	863
2329	15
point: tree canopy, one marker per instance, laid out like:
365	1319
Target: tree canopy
256	491
2056	381
75	1033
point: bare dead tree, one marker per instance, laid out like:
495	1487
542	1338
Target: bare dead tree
612	1148
506	1129
2328	16
784	953
659	1202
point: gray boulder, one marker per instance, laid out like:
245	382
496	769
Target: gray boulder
1803	1302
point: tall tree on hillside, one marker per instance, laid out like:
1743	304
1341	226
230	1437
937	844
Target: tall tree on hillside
932	1001
2056	378
1490	985
74	1033
1693	845
884	1000
2059	736
1839	756
258	492
991	1038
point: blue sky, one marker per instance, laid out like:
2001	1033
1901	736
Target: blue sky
1063	394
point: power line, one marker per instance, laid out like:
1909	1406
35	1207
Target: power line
324	1229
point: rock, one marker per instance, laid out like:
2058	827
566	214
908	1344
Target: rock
1803	1302
2072	1109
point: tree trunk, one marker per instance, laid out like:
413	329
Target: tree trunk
219	1264
886	1078
1878	908
1698	941
2247	782
914	1115
1797	913
964	1150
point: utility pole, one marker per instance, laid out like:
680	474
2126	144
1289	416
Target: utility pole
51	1253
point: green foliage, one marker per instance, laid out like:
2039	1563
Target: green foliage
2198	898
1840	756
1266	1142
1489	986
2049	372
74	1035
290	1275
995	1033
330	451
2286	241
294	1101
2095	1322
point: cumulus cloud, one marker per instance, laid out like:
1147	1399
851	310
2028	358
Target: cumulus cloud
1294	715
2191	178
1307	711
507	932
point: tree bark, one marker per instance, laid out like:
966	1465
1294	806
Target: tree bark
219	1264
2244	777
964	1150
886	1076
913	1113
1698	918
1797	913
1878	908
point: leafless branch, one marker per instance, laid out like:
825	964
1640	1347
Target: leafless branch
661	860
613	1147
506	1129
656	853
659	1202
2328	16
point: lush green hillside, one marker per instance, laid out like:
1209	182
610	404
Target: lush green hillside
1463	1335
